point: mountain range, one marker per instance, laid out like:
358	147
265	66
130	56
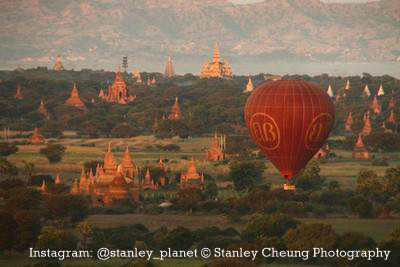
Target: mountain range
97	33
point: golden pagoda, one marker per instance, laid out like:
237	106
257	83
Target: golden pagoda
349	122
18	94
169	68
366	91
176	113
359	151
128	165
375	106
216	152
74	100
58	65
192	179
381	92
249	86
216	68
347	87
36	138
147	182
367	129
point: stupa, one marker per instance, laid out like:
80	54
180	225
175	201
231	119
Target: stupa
375	106
381	92
249	86
359	151
216	68
349	122
366	91
367	129
169	68
74	100
18	94
58	65
36	138
192	179
216	152
176	113
329	91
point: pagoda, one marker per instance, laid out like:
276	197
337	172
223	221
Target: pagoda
216	68
249	86
381	92
58	65
128	165
192	179
169	68
118	189
43	187
329	91
359	151
135	74
392	117
366	91
43	110
375	106
147	182
392	103
74	100
176	113
18	94
216	152
162	179
367	129
349	122
36	138
75	187
118	92
347	87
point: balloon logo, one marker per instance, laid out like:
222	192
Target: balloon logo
289	121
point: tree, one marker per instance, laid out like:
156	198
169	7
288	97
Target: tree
355	241
53	153
179	238
28	228
362	206
84	230
7	149
123	130
22	198
309	178
189	198
368	182
211	189
7	168
7	230
29	168
11	183
309	236
245	174
55	239
391	180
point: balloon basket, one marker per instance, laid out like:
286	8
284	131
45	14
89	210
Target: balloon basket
289	187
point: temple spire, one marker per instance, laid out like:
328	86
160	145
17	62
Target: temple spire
216	56
330	91
169	68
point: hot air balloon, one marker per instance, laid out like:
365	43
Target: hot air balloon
289	120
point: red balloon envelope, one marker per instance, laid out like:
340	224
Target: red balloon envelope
290	121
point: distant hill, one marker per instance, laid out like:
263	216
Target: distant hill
101	31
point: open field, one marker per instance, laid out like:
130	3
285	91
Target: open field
378	229
344	169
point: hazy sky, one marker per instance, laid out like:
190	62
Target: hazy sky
327	1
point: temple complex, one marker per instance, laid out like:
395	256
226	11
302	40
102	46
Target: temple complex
18	94
169	68
329	91
216	68
43	110
366	91
375	106
216	152
349	122
192	179
367	129
347	87
111	183
392	117
74	100
117	92
176	113
58	65
36	138
359	151
249	86
381	92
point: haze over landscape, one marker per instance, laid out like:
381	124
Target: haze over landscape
277	36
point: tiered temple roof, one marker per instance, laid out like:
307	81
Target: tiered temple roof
169	68
249	86
192	179
176	113
216	152
74	100
349	122
216	68
359	151
118	92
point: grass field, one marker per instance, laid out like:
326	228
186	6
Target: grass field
344	169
